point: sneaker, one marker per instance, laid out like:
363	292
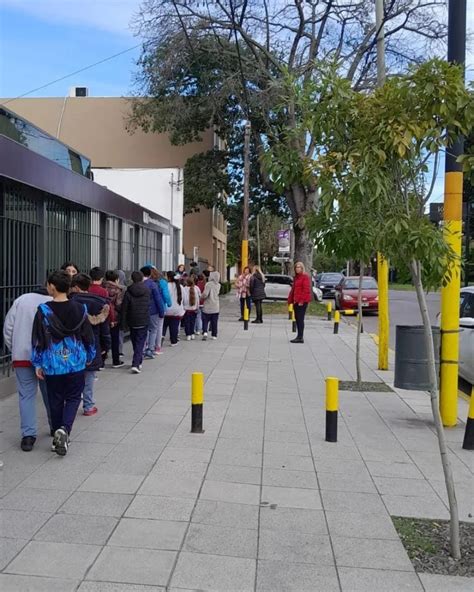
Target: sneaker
101	368
204	336
121	355
297	340
149	355
158	351
197	332
135	370
60	442
173	344
188	337
193	337
89	412
214	337
27	443
119	365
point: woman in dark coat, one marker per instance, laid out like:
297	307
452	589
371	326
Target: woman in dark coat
257	292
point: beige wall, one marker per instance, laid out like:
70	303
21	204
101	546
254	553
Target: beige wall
96	128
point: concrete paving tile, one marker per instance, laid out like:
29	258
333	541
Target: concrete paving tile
351	524
291	448
287	478
171	453
234	474
285	461
160	508
18	524
218	540
40	500
172	484
429	506
13	583
225	514
242	458
222	491
291	497
148	534
293	519
54	560
96	504
214	573
107	483
337	482
72	528
363	503
230	444
273	435
295	547
394	469
410	487
340	466
371	553
63	480
133	566
179	466
438	583
116	587
374	580
9	548
327	450
281	576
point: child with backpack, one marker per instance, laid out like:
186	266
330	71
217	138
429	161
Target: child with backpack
63	344
136	316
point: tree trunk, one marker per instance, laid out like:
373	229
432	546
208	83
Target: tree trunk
415	268
303	246
359	322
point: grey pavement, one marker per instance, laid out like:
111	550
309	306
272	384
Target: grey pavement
258	502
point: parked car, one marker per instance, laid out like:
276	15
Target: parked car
327	283
278	286
466	337
347	293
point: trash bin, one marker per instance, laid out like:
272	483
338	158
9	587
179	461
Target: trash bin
411	359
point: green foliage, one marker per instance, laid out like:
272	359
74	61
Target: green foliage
225	288
206	181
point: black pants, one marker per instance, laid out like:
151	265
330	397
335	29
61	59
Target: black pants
173	324
115	336
248	300
258	310
189	322
300	311
64	396
138	338
213	319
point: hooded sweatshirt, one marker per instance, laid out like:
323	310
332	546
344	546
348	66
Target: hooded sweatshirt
176	310
136	306
210	295
19	324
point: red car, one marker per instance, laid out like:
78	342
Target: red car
347	292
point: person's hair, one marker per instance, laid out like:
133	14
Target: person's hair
201	277
146	270
257	269
64	266
96	274
82	281
206	273
192	291
137	276
61	280
193	264
299	263
155	274
111	275
171	277
181	265
246	267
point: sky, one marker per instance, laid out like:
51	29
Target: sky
42	40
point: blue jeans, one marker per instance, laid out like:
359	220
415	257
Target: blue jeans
27	384
199	320
159	333
152	333
138	338
88	400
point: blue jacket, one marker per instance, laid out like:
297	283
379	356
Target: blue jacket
165	293
157	305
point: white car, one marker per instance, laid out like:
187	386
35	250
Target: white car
466	337
278	286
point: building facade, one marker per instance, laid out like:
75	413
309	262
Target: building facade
97	126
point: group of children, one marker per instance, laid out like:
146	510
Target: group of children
60	336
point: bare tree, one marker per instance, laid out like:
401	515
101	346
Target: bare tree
220	62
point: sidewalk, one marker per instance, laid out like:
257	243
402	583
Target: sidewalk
258	502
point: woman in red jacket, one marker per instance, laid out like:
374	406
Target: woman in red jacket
300	296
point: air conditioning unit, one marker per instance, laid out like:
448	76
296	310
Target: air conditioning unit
79	91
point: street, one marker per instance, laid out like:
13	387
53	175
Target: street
404	310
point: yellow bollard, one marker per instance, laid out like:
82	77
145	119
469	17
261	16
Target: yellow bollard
246	317
332	404
197	400
337	318
290	312
329	309
468	442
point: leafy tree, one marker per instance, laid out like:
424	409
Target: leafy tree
217	62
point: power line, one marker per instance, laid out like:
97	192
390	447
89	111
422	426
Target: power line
115	55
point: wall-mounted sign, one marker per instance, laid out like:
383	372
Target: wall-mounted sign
147	219
284	242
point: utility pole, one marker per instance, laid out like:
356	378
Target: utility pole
453	187
382	263
258	241
245	221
